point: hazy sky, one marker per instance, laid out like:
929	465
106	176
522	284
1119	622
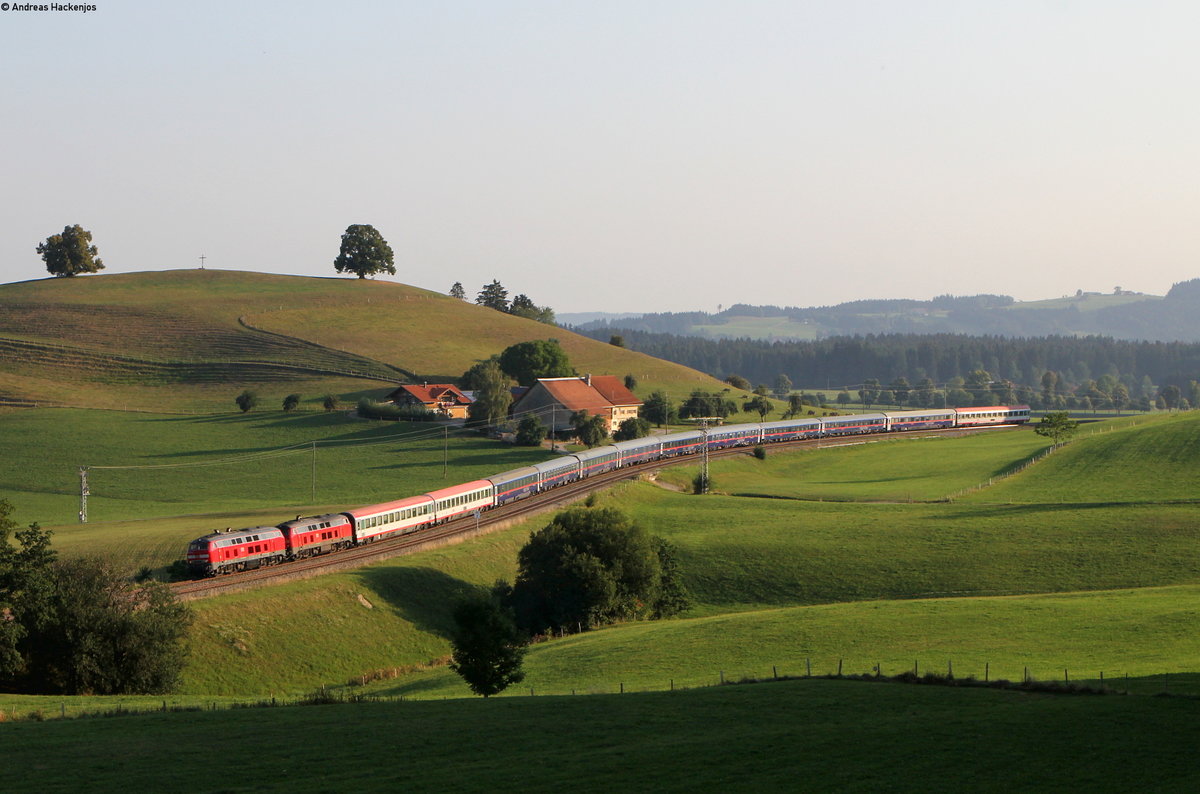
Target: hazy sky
618	156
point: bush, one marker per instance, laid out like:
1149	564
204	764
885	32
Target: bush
246	401
531	432
760	452
291	402
700	484
330	403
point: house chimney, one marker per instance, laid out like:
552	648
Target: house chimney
588	379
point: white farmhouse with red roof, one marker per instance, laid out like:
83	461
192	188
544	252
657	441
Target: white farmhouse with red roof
553	400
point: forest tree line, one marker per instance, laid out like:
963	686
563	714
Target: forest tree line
1049	372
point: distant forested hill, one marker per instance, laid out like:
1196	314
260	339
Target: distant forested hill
1121	315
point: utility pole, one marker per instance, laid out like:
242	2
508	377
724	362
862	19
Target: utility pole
83	494
704	430
202	258
445	449
314	472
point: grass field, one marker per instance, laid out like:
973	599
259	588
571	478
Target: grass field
852	469
112	337
356	462
1063	583
811	735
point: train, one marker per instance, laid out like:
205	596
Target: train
233	550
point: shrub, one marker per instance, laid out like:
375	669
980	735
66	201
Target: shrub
291	402
330	403
246	401
760	452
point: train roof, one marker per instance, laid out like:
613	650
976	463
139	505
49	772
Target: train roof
993	408
683	435
513	474
596	452
387	507
565	462
851	417
790	422
917	414
455	490
240	535
638	443
332	518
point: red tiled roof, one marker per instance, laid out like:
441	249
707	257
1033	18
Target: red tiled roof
575	395
435	392
613	389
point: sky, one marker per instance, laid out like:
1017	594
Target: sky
619	156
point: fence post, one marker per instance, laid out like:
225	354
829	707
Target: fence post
622	687
915	670
839	668
722	676
808	666
774	672
987	670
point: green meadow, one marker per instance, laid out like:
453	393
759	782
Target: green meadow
792	735
1083	565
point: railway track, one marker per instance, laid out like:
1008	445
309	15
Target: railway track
464	528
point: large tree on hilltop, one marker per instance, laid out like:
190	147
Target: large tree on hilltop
493	296
364	252
70	253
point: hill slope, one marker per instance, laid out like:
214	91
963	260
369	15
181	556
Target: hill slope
187	337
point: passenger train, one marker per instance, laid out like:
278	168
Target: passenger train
246	549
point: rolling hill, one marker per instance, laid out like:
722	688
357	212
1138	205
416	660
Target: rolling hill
189	339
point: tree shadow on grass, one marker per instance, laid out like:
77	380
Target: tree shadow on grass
425	597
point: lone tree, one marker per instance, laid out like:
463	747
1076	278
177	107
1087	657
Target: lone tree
487	648
247	401
1057	426
760	404
291	402
364	252
70	253
592	566
456	291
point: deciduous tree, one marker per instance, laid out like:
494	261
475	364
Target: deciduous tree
592	430
487	649
246	401
1057	426
364	252
588	567
658	409
493	395
530	432
540	358
70	253
456	291
634	427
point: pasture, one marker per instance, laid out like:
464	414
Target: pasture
831	735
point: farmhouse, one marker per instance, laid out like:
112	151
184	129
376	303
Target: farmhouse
441	398
553	400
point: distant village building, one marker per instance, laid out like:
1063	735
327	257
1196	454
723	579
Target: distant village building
441	398
553	400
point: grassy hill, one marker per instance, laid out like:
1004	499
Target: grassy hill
190	339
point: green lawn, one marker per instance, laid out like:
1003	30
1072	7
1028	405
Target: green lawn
1137	459
796	735
356	462
909	469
